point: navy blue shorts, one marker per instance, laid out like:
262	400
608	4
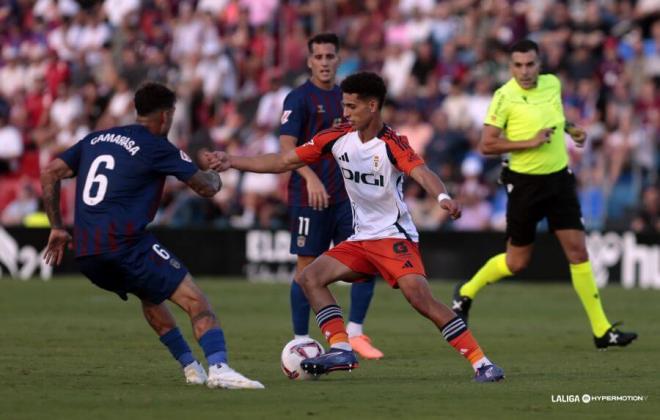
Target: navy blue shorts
147	270
313	230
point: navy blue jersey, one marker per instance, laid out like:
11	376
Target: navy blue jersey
307	110
120	176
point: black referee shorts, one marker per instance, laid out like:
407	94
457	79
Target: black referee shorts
534	197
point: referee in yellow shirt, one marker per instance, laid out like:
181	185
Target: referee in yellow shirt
526	119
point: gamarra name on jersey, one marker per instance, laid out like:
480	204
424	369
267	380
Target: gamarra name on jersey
123	141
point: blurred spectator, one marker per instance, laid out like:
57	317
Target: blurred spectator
12	73
66	107
425	211
446	146
647	219
417	130
456	107
397	68
270	104
25	203
473	194
11	144
257	188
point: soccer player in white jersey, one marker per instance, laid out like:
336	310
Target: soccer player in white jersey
373	159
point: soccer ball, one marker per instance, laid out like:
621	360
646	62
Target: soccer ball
295	352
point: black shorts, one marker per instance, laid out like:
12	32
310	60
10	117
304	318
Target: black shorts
534	197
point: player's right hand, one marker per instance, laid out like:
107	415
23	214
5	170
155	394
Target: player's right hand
543	136
318	196
57	242
218	161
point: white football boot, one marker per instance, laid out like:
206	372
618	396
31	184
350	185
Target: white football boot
222	376
195	374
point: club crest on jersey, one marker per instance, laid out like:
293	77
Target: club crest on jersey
336	122
184	156
301	241
320	109
377	163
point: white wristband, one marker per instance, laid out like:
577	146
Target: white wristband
443	196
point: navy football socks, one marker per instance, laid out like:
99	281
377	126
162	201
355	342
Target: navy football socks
361	294
213	344
299	310
177	345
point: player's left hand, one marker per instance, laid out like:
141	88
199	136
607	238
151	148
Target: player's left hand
57	242
452	207
577	134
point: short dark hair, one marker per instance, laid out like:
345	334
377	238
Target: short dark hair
367	85
523	46
152	96
324	38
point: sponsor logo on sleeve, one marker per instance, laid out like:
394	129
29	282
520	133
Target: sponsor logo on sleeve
285	116
184	156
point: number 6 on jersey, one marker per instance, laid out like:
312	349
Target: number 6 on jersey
100	179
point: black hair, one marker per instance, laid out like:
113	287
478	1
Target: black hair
151	97
523	46
366	85
324	38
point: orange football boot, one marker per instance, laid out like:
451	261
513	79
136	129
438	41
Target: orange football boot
362	346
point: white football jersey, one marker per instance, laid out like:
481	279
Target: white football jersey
373	174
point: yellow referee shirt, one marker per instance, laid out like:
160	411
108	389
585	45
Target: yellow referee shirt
522	113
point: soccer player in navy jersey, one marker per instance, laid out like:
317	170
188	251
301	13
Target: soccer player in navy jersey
120	174
319	209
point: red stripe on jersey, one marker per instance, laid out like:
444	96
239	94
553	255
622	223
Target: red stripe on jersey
405	156
318	120
76	239
400	141
129	232
83	243
112	240
97	240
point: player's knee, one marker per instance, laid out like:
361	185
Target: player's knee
304	278
516	265
577	255
309	277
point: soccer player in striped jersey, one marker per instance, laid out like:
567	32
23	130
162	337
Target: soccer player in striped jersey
373	160
120	175
319	209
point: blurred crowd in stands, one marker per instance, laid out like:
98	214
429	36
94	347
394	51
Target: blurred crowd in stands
70	67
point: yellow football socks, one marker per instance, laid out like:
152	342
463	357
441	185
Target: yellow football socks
584	284
494	270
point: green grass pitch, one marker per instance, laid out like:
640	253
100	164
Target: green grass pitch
71	351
